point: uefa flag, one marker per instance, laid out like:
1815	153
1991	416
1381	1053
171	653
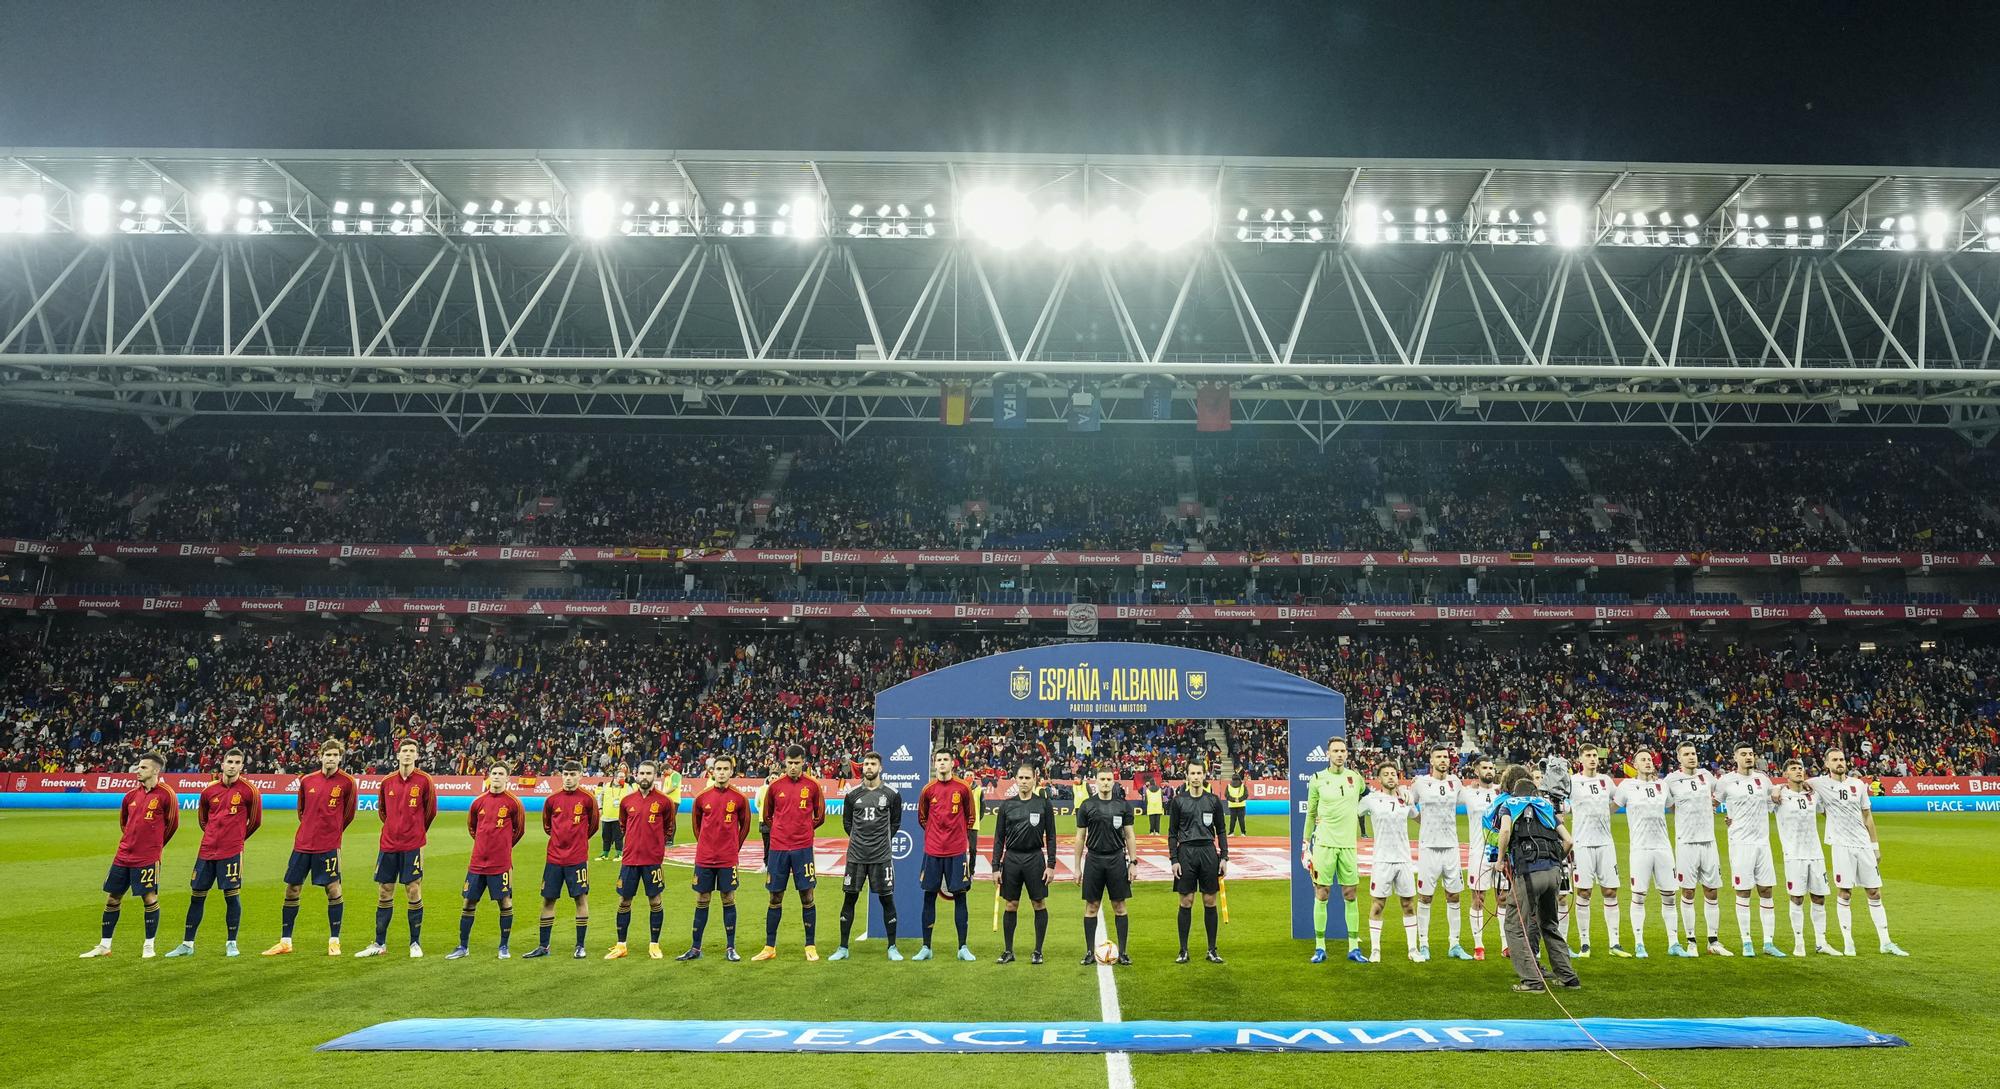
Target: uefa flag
1159	402
1211	408
951	405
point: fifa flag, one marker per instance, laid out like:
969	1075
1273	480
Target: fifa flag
1010	407
951	405
1086	412
1211	408
1159	402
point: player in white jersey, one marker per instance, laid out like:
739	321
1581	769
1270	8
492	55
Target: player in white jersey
1439	862
1805	860
1745	798
1392	872
1857	851
1596	862
1482	871
1696	862
1646	800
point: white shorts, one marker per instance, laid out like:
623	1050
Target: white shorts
1855	866
1653	868
1392	878
1805	876
1436	864
1596	868
1482	875
1750	866
1697	864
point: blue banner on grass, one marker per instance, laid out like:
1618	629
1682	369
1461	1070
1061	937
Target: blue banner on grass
1052	1037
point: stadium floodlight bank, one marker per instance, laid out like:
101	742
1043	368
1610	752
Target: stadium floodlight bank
847	288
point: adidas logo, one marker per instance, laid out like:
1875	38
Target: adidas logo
1506	614
1660	614
1209	560
408	554
1833	560
1816	614
1185	613
1347	614
1681	560
902	753
861	610
535	609
212	605
1317	756
698	611
1899	788
1368	557
373	607
88	550
568	554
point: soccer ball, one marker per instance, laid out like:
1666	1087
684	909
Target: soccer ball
1107	952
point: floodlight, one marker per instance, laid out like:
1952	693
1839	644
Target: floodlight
1569	226
96	218
1791	222
803	216
367	208
854	229
1760	221
1817	241
1243	234
854	211
1691	239
882	212
902	210
1174	218
396	209
1367	225
1315	234
1060	228
749	207
471	207
999	216
1424	215
1815	222
673	207
128	206
1993	224
930	209
152	206
595	217
1315	215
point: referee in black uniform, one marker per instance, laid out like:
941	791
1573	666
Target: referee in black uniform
1198	843
1106	850
1024	853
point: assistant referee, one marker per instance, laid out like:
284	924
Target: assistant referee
1024	854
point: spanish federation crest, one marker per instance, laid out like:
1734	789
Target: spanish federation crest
1019	683
1197	683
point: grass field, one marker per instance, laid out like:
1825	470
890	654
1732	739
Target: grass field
205	1020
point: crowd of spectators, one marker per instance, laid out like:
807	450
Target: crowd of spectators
1017	493
88	700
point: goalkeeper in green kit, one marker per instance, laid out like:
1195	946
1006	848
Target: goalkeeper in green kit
1332	840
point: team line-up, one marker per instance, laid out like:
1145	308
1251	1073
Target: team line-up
1510	844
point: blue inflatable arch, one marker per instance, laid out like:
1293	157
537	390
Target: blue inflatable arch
1101	681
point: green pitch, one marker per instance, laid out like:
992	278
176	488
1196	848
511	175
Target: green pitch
195	1022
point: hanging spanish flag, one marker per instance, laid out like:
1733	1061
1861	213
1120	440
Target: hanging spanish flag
952	405
1211	408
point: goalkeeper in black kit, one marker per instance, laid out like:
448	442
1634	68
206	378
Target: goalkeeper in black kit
871	814
1198	843
1024	855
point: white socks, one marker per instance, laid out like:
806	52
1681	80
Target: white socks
1879	915
1711	913
1799	922
1451	917
1614	922
1687	917
1767	913
1582	913
1819	923
1843	911
1743	921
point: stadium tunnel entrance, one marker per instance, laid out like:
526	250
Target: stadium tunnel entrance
1102	681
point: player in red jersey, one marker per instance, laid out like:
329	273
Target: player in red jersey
721	824
146	820
794	808
326	807
407	804
949	817
496	821
648	816
229	812
570	818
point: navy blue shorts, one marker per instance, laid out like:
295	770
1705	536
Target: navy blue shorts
144	880
631	877
947	873
715	879
501	885
558	879
399	867
322	866
795	867
223	873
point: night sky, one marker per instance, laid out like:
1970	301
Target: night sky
1891	83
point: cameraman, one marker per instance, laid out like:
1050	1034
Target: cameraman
1535	851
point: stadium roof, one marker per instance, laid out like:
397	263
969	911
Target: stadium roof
845	287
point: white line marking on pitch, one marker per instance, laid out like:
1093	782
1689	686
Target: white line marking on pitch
1117	1064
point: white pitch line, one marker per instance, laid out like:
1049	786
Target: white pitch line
1117	1064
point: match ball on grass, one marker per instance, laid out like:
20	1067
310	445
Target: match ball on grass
1107	952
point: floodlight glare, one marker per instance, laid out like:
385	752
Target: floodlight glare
1060	229
214	210
749	207
152	206
1569	226
1174	218
1000	217
930	210
1111	229
1367	224
595	216
803	216
96	217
